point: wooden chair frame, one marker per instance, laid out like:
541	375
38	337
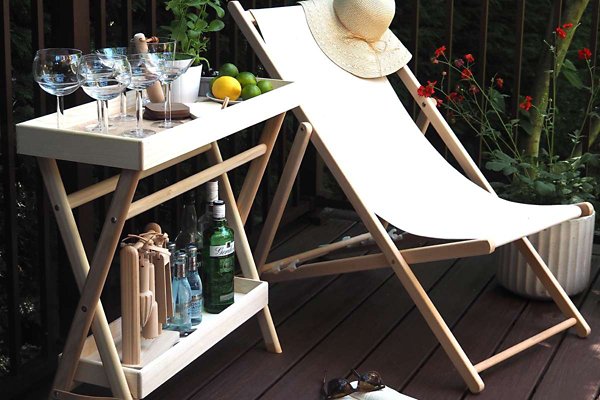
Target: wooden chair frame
390	255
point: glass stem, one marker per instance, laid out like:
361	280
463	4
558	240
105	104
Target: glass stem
138	109
104	105
60	110
168	104
123	105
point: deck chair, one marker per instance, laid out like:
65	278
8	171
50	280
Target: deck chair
391	173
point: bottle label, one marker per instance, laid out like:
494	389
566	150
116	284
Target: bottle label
219	283
195	309
222	250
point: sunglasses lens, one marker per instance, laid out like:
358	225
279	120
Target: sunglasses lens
370	381
337	388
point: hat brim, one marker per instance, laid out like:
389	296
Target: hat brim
353	54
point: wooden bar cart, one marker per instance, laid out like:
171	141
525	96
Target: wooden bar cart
137	159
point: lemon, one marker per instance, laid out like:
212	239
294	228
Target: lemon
213	81
226	86
228	69
246	78
250	91
264	86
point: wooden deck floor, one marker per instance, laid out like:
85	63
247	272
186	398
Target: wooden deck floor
366	321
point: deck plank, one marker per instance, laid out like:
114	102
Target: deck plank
479	332
350	342
517	377
284	300
575	369
256	370
409	345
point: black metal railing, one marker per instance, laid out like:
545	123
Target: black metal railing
37	292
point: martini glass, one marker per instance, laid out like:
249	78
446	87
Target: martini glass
55	70
111	52
144	72
103	79
171	67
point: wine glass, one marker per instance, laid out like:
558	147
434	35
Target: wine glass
55	70
144	72
119	51
171	67
103	79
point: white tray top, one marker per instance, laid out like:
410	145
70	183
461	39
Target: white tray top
39	137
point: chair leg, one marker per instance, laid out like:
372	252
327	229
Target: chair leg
557	293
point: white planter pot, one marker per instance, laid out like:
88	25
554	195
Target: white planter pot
567	250
185	89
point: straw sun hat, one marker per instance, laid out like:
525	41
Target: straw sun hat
354	34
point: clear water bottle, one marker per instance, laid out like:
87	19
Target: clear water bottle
182	297
195	285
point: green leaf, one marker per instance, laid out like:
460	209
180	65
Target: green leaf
496	166
215	25
570	72
544	189
497	100
220	12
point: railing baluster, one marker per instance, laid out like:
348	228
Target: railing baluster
517	71
151	9
7	149
127	18
414	48
585	137
100	23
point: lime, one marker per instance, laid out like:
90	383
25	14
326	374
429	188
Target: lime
228	69
264	86
250	91
246	78
226	86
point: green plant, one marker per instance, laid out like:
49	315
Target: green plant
192	20
555	173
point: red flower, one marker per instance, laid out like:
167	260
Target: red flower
435	60
584	54
440	51
459	63
473	89
567	26
427	91
526	104
560	32
466	74
469	58
438	101
455	97
499	83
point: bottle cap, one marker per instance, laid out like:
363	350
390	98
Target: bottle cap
212	191
218	209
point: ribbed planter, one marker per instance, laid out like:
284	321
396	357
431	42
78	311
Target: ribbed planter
186	88
567	250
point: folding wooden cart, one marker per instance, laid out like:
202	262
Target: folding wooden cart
137	159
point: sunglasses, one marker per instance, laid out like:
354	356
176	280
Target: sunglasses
340	387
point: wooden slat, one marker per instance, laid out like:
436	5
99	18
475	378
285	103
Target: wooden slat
7	150
285	300
100	23
38	42
151	10
127	20
518	57
575	370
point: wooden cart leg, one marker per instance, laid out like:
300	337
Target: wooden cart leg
243	251
282	194
90	286
557	293
258	166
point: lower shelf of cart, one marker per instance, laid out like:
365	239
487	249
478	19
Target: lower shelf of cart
162	359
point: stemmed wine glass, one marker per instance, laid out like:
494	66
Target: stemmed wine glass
119	51
104	78
144	72
170	67
55	70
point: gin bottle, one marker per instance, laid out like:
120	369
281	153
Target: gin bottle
188	233
195	285
182	297
212	194
218	262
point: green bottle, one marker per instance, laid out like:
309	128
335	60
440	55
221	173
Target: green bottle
219	262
